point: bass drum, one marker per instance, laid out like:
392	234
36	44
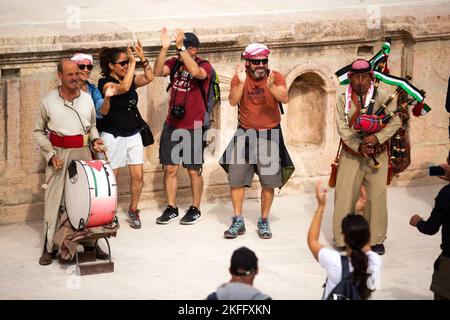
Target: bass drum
90	194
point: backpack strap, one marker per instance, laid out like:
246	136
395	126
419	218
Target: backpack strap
280	105
202	90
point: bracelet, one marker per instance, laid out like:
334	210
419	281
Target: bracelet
145	62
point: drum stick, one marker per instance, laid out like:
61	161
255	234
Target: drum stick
103	150
45	185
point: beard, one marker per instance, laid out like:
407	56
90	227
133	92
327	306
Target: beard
258	73
359	89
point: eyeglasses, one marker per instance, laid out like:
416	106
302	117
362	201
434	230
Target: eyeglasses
84	66
122	63
256	62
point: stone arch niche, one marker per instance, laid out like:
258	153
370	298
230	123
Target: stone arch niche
312	91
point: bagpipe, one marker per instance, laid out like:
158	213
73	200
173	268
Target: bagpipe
368	122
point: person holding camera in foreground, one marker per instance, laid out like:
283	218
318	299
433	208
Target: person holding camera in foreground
184	122
440	216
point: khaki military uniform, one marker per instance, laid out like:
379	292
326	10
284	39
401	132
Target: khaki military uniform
354	170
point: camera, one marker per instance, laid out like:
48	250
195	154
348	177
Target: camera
436	171
177	112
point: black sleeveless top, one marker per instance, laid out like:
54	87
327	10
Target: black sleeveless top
123	118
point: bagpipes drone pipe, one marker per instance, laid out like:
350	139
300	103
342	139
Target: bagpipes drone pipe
381	68
391	98
384	120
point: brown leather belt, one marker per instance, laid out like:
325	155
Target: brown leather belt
379	148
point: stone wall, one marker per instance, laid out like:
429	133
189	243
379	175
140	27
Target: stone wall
307	54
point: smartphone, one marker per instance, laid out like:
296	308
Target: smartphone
436	171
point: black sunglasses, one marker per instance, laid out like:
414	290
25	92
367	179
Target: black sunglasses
83	66
256	62
123	63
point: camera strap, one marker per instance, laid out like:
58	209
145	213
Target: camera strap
178	67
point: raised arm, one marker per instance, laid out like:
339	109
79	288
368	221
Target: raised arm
159	69
279	91
189	63
237	91
125	85
147	77
314	230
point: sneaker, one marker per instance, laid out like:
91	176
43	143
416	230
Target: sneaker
134	219
237	228
169	214
264	229
378	248
192	216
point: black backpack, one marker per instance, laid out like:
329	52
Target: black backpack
345	289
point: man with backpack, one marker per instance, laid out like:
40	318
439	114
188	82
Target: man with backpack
182	134
257	145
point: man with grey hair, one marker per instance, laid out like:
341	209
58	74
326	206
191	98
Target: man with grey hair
65	126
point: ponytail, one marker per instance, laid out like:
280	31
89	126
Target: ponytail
360	262
356	235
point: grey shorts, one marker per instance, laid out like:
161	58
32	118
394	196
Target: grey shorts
241	175
186	148
252	153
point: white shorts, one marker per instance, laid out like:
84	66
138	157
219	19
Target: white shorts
123	151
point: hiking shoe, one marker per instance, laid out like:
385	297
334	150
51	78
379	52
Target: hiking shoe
264	229
237	228
134	219
192	216
378	248
169	214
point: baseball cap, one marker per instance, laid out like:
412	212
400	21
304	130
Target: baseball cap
243	262
190	40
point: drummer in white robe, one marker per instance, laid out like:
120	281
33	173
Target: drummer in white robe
65	126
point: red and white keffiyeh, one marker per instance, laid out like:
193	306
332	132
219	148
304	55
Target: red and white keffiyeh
254	50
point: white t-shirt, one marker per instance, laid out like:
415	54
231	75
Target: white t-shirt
330	260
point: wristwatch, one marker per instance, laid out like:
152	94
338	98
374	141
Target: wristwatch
183	48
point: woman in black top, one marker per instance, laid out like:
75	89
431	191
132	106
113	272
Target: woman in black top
120	123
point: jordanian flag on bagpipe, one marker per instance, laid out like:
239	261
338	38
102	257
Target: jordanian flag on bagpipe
419	107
